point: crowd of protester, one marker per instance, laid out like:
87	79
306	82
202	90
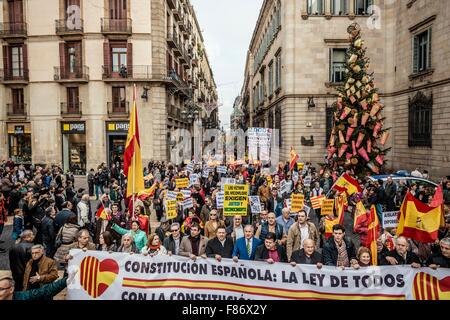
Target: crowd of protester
51	216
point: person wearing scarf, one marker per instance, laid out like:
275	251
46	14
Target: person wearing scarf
153	247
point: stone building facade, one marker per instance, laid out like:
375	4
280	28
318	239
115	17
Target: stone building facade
69	72
295	62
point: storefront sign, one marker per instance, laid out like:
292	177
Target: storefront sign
73	127
117	126
19	128
236	200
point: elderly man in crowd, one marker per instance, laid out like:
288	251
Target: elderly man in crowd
39	270
442	258
401	255
299	232
307	255
245	248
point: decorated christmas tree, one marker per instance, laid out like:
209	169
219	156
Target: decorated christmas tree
358	138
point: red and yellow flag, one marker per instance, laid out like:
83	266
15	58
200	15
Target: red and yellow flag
316	202
373	231
341	206
293	160
132	157
360	213
348	184
419	221
101	213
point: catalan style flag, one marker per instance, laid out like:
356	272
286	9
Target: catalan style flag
132	157
428	287
419	221
348	184
101	213
360	213
316	202
293	160
373	231
341	206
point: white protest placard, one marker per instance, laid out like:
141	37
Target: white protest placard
186	193
390	219
220	196
255	204
284	187
295	176
225	181
121	276
206	171
307	181
222	169
193	179
171	195
190	167
188	203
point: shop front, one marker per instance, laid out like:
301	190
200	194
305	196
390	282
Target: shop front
74	147
116	139
19	142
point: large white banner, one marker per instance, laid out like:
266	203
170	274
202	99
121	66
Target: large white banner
120	276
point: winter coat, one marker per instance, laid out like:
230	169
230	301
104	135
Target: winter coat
68	236
140	238
47	271
294	237
330	251
186	247
262	253
46	292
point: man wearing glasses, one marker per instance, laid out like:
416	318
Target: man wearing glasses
172	242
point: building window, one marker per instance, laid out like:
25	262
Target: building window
262	88
329	122
339	7
257	94
315	7
17	61
278	123
422	51
118	9
271	78
420	121
118	58
278	71
363	7
73	99
119	99
18	102
337	65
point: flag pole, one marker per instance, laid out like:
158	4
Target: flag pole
134	154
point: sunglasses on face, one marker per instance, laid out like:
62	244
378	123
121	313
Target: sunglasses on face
174	230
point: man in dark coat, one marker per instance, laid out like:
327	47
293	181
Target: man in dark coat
339	251
270	251
48	231
63	215
221	246
307	255
389	194
172	242
441	259
19	255
401	255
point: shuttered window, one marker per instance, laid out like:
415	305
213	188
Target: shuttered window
422	51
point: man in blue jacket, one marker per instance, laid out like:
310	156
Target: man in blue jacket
244	248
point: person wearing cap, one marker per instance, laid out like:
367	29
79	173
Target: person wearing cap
46	292
163	231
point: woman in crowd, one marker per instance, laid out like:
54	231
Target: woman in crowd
65	237
140	238
154	247
212	224
106	242
128	245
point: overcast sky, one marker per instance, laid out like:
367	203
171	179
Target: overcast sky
227	27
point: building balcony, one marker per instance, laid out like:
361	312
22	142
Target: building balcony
65	27
176	81
182	26
13	30
177	13
185	35
172	4
195	62
116	26
119	109
172	39
127	73
16	111
71	109
65	74
14	76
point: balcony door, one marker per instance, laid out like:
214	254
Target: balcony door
15	14
72	60
16	58
117	9
73	102
18	101
118	100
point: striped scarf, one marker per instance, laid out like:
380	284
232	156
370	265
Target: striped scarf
342	260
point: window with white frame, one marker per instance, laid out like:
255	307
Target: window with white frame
270	72
422	51
339	7
278	70
363	7
337	65
316	7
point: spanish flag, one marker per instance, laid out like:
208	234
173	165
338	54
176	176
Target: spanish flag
294	159
101	213
419	221
360	213
348	184
373	231
341	206
132	157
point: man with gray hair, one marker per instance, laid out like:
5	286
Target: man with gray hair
401	255
83	211
19	255
172	242
441	259
245	247
39	270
